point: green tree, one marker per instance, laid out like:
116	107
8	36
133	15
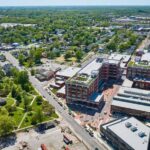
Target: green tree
21	59
1	73
7	124
32	72
3	111
68	55
26	101
23	78
79	55
39	100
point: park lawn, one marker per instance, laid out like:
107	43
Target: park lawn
28	119
10	101
18	115
21	105
35	106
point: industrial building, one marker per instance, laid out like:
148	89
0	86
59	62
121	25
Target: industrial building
83	87
127	134
132	101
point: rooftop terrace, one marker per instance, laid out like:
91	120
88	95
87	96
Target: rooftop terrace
87	74
143	61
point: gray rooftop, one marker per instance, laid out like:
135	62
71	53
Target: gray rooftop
130	131
132	98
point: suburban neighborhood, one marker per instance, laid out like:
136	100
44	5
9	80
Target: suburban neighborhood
75	78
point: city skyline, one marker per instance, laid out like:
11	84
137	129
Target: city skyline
71	2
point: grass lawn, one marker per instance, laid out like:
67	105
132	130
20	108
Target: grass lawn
22	103
27	121
35	106
10	101
17	116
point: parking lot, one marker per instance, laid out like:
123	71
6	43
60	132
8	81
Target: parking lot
52	139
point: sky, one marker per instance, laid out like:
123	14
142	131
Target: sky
71	2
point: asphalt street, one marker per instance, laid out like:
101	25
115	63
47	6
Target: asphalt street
91	142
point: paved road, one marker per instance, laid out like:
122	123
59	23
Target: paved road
91	143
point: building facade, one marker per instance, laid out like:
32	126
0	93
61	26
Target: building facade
140	76
84	86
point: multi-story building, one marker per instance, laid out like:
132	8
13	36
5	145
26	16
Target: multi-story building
83	87
127	134
132	101
138	71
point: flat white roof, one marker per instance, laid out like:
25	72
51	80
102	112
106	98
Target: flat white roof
145	57
68	72
62	90
128	105
54	84
119	57
132	98
127	83
94	65
133	139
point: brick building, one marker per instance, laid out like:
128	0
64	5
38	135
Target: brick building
139	71
83	87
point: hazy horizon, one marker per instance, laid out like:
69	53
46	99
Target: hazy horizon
74	3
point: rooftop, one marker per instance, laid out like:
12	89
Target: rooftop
62	90
94	65
116	56
145	57
127	83
141	61
131	131
88	73
132	98
123	58
68	72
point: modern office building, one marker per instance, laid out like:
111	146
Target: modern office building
127	134
138	71
83	87
132	101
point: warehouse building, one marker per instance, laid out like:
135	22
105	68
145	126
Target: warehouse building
132	101
127	134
